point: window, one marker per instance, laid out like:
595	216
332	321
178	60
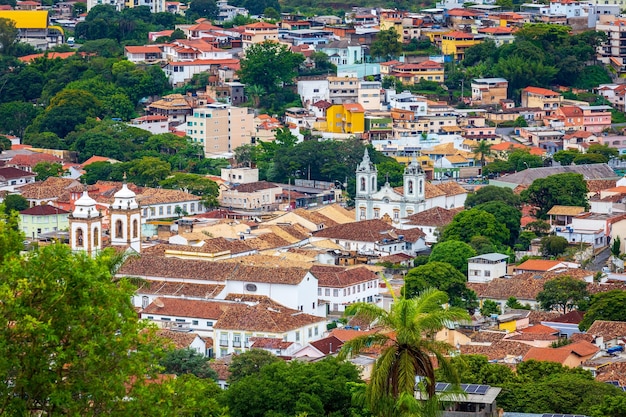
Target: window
327	292
160	210
223	339
297	336
209	324
135	228
169	210
250	287
319	292
194	322
316	331
335	293
310	332
79	237
145	301
96	237
236	340
487	273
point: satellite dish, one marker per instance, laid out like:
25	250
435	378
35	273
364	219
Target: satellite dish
157	302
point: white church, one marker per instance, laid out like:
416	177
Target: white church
86	223
415	195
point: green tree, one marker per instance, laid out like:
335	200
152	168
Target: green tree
481	151
524	240
148	171
604	150
440	275
79	328
78	9
605	306
271	13
505	214
590	158
453	252
520	122
470	223
289	388
250	363
187	361
553	245
16	116
255	92
514	304
616	246
15	202
269	65
406	351
539	227
192	183
98	171
185	395
563	293
45	170
386	45
11	237
489	307
566	157
566	189
614	406
8	35
5	143
476	369
68	109
493	193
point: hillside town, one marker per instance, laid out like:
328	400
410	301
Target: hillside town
281	187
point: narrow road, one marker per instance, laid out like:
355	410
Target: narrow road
600	260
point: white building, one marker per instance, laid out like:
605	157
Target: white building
569	8
408	101
160	203
118	4
339	286
154	124
241	175
241	322
372	203
484	268
86	226
11	177
312	91
369	94
343	52
125	219
198	316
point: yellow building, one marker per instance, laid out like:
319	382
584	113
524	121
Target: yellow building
345	118
542	98
34	28
455	44
392	22
259	32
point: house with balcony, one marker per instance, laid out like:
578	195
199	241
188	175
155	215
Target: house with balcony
594	229
596	118
414	73
406	100
545	99
11	177
148	54
258	32
313	37
343	90
241	322
501	35
614	93
455	43
259	195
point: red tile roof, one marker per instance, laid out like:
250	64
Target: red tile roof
43	210
541	91
327	345
181	307
340	277
540	265
260	318
608	330
33	159
9	173
539	329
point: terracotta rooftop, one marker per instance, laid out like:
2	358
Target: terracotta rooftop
254	187
524	286
268	343
49	189
539	329
539	265
436	216
348	334
340	277
566	210
259	318
221	368
608	330
483	336
43	210
151	196
315	217
179	289
612	372
267	241
180	340
9	173
498	350
181	307
327	345
541	91
33	159
581	348
364	231
573	317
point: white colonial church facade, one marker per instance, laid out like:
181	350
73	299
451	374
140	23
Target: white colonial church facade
388	203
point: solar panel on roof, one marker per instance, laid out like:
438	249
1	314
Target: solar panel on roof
441	386
482	390
616	383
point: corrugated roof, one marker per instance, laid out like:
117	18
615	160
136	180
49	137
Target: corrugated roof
27	19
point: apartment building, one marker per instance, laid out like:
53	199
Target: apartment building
220	128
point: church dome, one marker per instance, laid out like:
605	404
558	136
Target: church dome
85	207
125	198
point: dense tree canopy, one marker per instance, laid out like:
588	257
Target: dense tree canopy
563	294
250	363
568	189
286	389
269	65
473	222
605	306
453	252
493	193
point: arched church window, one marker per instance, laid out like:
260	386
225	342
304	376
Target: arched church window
373	183
135	228
410	187
118	229
362	184
79	238
96	237
421	187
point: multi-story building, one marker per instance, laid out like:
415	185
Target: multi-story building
542	98
43	219
258	33
220	128
500	35
34	28
156	6
369	94
596	118
489	90
346	118
615	46
343	90
343	52
414	73
455	44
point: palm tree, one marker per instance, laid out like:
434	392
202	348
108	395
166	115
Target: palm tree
482	150
255	92
407	352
